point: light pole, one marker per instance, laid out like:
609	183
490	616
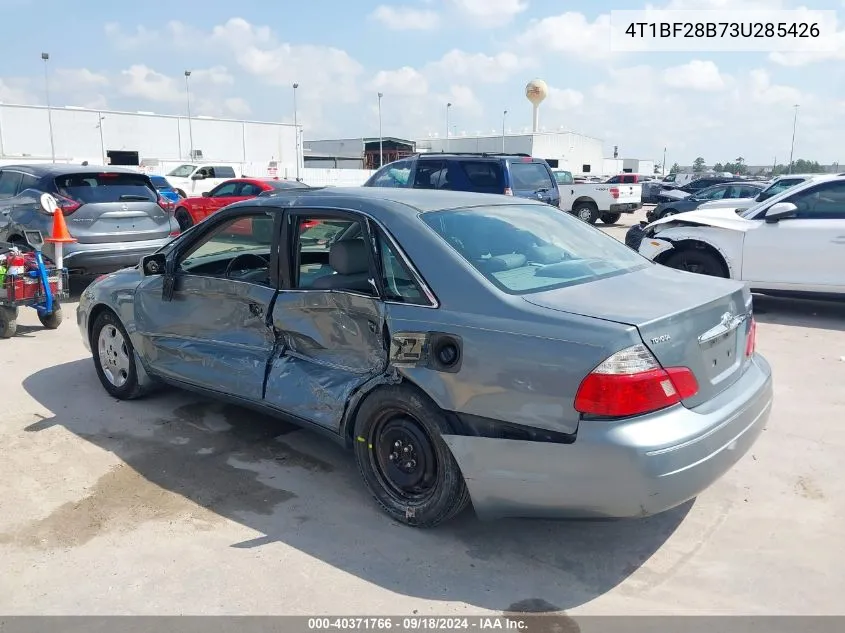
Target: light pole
102	143
448	107
296	128
380	137
190	125
504	116
664	161
46	58
792	147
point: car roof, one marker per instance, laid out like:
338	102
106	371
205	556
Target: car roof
381	202
476	156
50	169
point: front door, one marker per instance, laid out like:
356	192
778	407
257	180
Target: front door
805	252
214	332
329	319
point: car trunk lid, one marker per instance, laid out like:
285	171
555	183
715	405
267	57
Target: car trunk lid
112	207
685	320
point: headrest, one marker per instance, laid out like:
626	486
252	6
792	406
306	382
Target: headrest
349	257
545	254
504	262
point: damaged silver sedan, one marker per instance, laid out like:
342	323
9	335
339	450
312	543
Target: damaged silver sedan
466	347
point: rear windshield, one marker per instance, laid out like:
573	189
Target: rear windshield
105	187
483	174
160	182
530	248
287	184
531	176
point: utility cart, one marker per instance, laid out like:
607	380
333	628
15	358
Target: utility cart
27	279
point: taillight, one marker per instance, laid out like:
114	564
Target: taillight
508	191
166	204
67	205
614	192
632	382
751	338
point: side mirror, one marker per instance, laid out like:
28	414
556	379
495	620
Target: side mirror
779	211
206	194
154	264
198	177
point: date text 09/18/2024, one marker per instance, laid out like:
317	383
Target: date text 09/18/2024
419	623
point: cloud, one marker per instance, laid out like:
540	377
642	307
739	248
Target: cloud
836	52
74	78
144	82
11	93
217	75
139	37
478	66
563	99
405	81
696	75
237	106
571	33
405	18
490	13
763	91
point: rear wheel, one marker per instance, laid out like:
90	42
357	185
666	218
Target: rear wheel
586	211
667	213
181	193
114	357
403	459
610	218
697	261
184	219
8	321
52	320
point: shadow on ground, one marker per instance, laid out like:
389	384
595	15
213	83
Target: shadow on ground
292	486
822	315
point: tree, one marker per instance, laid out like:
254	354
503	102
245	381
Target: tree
739	166
718	167
657	168
699	164
675	169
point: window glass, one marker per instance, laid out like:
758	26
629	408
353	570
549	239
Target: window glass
9	181
778	187
712	193
399	283
223	172
28	181
564	177
394	175
530	176
331	255
825	201
484	176
227	189
747	192
249	189
614	180
529	248
106	187
248	238
182	171
429	174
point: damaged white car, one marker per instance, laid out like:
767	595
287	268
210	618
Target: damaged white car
793	242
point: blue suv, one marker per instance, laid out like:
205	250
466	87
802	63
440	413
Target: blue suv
507	174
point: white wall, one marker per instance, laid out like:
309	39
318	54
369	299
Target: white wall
335	177
571	150
514	143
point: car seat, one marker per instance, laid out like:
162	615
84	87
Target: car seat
351	264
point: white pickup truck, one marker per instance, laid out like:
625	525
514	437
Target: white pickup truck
594	201
192	180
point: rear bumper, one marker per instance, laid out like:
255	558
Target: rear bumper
98	259
626	207
634	468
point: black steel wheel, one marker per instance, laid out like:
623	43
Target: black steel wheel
184	219
8	321
698	261
403	459
586	211
610	218
53	320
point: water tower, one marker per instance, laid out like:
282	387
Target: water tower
536	91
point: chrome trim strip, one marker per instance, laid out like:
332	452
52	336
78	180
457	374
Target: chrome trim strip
729	323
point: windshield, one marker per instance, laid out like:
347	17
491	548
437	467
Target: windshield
564	177
182	171
530	248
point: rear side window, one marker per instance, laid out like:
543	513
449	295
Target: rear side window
564	177
224	172
106	187
486	176
531	176
9	181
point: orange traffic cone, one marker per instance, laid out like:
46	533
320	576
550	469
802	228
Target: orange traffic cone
60	233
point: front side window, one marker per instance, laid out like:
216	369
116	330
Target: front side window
530	248
395	175
249	189
712	193
182	171
822	202
239	248
564	177
226	190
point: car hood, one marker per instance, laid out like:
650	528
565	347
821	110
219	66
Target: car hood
725	218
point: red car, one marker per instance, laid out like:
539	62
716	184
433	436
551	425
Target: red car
192	210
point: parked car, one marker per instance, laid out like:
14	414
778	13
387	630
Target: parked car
465	347
165	189
779	184
630	179
194	180
517	175
684	191
192	210
115	214
794	242
593	201
724	192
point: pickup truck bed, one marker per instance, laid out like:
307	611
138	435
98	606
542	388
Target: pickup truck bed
604	201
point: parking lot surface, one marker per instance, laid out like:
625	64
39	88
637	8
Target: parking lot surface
178	505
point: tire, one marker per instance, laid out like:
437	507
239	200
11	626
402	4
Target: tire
667	213
586	211
8	321
392	420
610	218
184	219
53	320
119	379
696	261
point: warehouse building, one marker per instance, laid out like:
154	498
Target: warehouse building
356	153
564	150
146	139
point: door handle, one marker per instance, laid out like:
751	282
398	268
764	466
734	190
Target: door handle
256	310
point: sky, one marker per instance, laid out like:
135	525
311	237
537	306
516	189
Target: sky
477	55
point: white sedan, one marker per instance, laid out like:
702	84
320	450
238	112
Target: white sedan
793	242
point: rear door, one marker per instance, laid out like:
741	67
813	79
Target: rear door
532	179
104	207
431	174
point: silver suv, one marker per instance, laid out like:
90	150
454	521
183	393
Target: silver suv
116	215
